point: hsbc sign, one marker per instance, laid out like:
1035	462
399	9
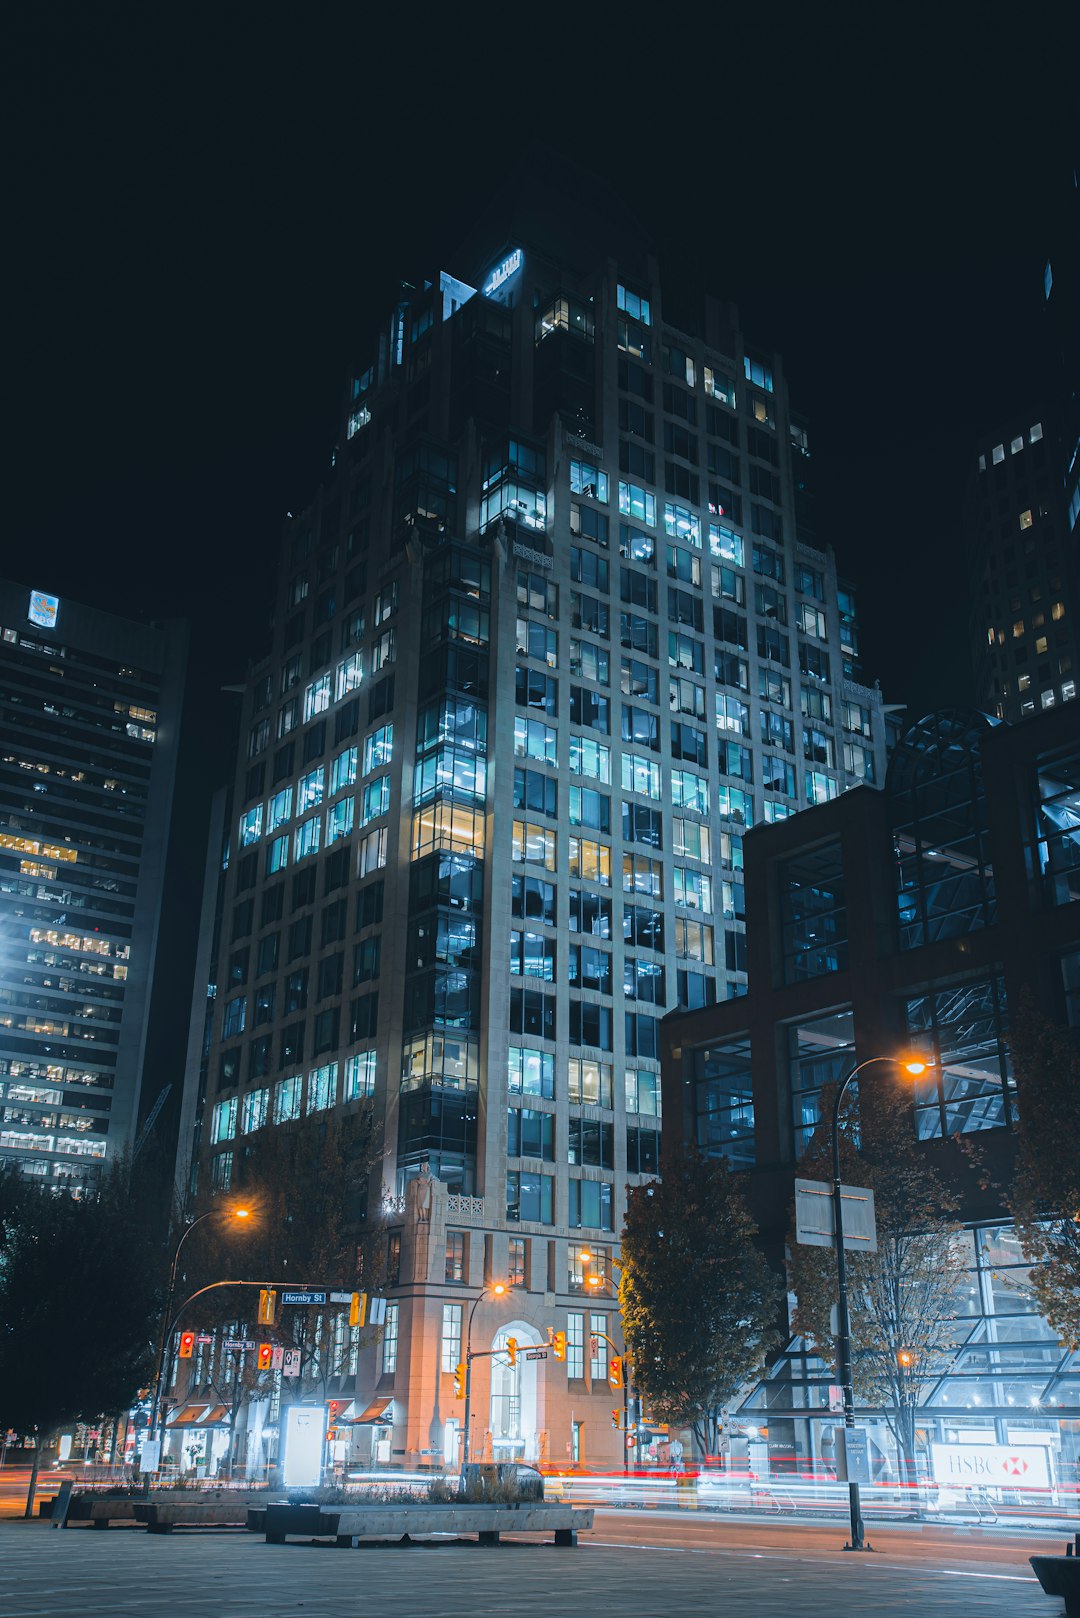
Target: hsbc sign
991	1466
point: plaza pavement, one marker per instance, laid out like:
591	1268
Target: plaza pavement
628	1568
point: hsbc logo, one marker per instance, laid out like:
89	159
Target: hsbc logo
1001	1466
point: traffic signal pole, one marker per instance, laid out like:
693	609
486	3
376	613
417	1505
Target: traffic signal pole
623	1361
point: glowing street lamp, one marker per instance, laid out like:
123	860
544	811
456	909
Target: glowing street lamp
914	1066
497	1289
241	1213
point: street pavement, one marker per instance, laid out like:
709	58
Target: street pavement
632	1565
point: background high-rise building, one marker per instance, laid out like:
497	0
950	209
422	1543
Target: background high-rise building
89	720
552	635
1022	515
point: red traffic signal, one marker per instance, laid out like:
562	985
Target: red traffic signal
265	1356
187	1344
615	1371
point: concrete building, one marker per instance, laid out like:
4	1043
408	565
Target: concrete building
916	916
89	720
554	633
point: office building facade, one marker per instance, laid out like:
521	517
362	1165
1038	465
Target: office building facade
90	716
915	917
552	636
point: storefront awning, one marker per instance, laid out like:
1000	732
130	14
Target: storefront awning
198	1415
375	1415
187	1415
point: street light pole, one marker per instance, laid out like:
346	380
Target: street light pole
155	1406
497	1291
843	1320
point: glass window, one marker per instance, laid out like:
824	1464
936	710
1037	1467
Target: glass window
945	874
530	1072
1057	817
390	1339
530	1197
821	1053
455	1265
970	1086
588	480
451	1335
813	913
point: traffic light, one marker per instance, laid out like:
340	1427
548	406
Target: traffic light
511	1349
459	1381
558	1343
265	1356
358	1309
614	1374
616	1418
267	1307
187	1344
334	1407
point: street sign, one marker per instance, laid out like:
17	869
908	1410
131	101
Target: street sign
853	1455
341	1297
204	1337
237	1345
305	1297
536	1353
277	1359
290	1365
376	1315
814	1224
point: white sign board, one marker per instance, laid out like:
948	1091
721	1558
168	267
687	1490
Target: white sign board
991	1466
150	1455
290	1362
853	1455
305	1432
814	1224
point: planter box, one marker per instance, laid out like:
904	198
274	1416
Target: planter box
1060	1576
99	1509
348	1525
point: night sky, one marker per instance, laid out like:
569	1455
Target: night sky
208	210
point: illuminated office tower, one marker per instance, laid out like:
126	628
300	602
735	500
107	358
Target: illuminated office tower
551	636
89	720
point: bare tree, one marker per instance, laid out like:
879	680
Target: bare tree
903	1298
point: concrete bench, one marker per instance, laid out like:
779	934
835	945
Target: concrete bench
162	1516
349	1525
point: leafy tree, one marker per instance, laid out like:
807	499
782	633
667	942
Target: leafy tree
902	1299
699	1300
1046	1187
80	1295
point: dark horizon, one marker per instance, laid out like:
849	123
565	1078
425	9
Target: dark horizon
212	230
